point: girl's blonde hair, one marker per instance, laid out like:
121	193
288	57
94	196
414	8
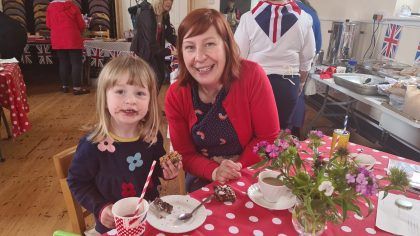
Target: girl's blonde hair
139	74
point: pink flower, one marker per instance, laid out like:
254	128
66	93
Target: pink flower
283	144
350	178
106	145
259	145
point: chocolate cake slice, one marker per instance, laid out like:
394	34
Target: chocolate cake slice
163	206
174	157
224	193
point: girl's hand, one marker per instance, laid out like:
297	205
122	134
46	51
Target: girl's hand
106	217
227	170
170	171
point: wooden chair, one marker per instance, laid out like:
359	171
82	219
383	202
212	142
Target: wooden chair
77	214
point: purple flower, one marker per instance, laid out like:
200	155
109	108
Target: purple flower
272	148
259	145
316	134
288	131
296	143
350	178
361	189
283	144
361	179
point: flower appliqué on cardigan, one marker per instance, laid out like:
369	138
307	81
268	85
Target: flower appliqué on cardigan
107	145
134	161
128	190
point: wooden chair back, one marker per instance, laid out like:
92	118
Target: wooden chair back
76	213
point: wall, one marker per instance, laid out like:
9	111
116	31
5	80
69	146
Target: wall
413	4
215	4
362	11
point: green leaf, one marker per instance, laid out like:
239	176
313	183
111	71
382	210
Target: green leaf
259	164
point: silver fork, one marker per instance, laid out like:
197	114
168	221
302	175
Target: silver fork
413	226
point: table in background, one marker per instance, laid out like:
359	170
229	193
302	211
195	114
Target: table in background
390	122
244	217
13	97
99	52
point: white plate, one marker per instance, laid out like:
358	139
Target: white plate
364	160
284	202
181	204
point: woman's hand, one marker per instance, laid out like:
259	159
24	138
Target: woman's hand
106	217
170	171
227	170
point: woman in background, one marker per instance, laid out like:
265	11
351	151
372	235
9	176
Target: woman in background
232	15
153	29
67	25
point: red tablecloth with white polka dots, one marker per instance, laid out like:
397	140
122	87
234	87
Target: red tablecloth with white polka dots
13	97
244	217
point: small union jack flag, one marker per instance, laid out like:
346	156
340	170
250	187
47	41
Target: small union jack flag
44	54
97	55
276	19
417	60
26	56
391	40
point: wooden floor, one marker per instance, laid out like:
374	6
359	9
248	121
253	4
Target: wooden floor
31	202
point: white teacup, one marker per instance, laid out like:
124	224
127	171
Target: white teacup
271	188
340	69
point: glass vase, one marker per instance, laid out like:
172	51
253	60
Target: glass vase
307	224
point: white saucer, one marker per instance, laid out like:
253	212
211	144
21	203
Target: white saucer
284	202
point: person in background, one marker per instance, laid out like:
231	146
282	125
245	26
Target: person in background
149	39
67	25
278	36
221	106
233	15
12	38
298	115
113	161
165	34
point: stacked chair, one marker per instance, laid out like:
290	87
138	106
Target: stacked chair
40	10
16	10
99	11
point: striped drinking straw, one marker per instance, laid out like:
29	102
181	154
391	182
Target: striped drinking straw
149	176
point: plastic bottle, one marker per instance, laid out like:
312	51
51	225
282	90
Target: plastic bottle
351	66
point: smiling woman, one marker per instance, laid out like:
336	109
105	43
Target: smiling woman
220	106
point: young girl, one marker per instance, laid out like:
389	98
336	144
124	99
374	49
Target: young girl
113	161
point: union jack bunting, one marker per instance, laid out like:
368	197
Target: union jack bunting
44	54
26	56
391	40
276	19
417	60
97	55
114	54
